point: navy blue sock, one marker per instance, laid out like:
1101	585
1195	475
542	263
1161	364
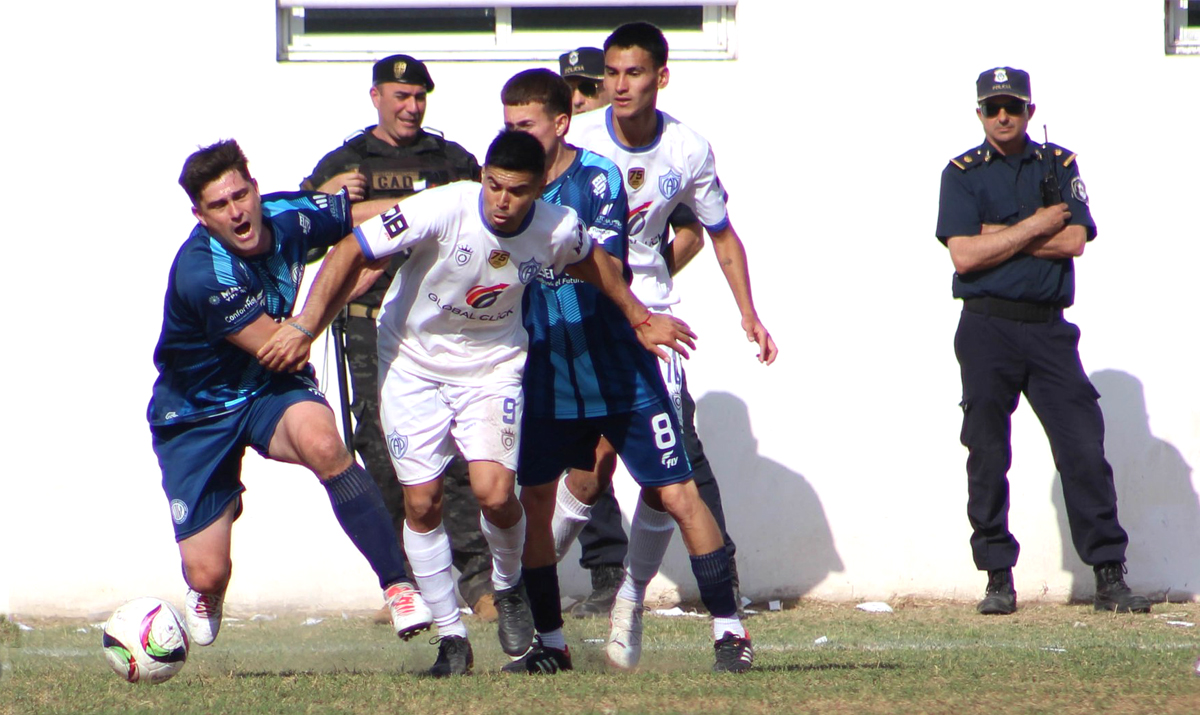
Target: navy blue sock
541	584
359	508
716	583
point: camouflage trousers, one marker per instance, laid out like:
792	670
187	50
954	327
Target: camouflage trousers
460	509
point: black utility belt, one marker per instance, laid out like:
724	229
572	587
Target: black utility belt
1013	309
359	310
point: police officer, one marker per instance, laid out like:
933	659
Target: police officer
1014	216
392	159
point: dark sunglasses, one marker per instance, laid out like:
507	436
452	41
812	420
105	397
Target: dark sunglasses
1014	107
588	87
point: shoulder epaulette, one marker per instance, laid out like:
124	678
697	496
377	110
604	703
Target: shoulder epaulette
971	159
1062	156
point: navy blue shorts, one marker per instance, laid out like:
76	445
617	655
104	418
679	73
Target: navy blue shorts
649	442
201	461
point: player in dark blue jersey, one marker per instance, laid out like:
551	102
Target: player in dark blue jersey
587	377
235	278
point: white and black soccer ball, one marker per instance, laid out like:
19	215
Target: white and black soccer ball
145	641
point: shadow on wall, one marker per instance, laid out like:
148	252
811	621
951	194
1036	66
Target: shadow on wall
1156	503
784	546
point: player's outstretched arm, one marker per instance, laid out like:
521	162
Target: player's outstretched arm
731	255
653	329
287	350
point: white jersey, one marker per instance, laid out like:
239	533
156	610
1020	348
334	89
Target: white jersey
676	167
453	312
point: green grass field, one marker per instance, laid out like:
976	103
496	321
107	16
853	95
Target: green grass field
924	658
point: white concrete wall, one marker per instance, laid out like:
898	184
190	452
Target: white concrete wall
841	468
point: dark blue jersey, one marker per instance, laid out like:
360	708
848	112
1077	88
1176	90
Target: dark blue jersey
213	293
584	357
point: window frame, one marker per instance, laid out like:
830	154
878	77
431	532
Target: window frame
715	40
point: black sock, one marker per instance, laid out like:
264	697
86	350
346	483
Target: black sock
359	508
541	584
716	583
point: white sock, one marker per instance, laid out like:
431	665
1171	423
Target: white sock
506	546
570	516
429	555
554	639
649	536
733	625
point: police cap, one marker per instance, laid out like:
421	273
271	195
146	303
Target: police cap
403	69
584	62
1003	81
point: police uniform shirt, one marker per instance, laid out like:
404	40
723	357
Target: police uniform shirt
584	356
676	167
453	312
213	293
395	172
983	186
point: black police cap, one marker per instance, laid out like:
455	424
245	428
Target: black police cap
403	69
583	62
1003	81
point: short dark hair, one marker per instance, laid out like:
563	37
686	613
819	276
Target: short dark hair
538	85
210	163
516	151
642	35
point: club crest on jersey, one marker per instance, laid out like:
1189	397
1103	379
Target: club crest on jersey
485	296
463	254
636	177
397	444
394	222
498	258
528	270
669	183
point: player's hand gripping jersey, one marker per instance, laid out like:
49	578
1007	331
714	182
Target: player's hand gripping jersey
676	167
453	312
213	293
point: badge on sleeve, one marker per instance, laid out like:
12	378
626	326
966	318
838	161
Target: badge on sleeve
1078	190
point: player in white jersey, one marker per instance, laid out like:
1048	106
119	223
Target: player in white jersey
664	163
451	338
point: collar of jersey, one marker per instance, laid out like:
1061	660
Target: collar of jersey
562	178
497	232
612	133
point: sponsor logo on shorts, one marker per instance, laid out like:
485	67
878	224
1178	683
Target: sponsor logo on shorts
498	258
669	459
463	255
669	183
485	296
179	511
394	222
508	439
397	444
636	177
529	269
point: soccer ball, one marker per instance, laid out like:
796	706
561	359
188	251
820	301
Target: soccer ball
145	641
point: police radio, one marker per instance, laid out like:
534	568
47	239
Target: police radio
1051	196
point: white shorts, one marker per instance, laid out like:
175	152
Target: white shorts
420	417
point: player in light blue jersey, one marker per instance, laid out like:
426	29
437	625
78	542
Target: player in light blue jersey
587	377
235	278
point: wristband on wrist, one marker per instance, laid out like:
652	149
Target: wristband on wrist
644	322
306	331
